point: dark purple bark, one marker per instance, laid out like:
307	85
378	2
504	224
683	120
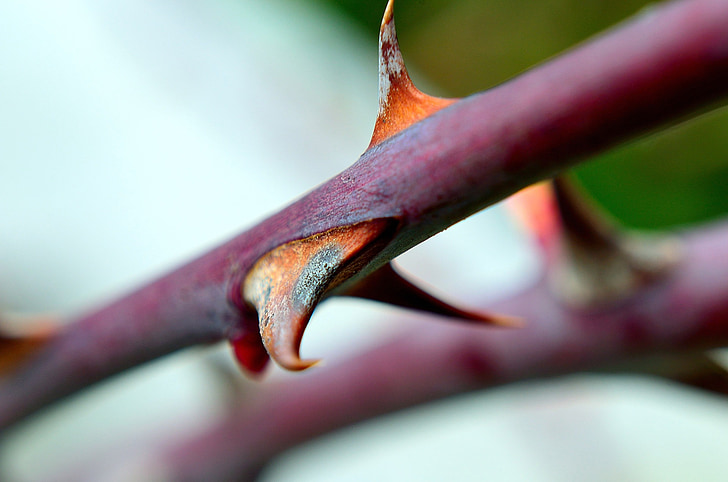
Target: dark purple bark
650	72
682	313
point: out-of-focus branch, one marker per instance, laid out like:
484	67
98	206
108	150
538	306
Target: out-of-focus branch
682	314
652	71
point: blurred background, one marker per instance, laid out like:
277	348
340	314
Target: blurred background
135	135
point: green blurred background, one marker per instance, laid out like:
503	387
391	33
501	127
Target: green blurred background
675	177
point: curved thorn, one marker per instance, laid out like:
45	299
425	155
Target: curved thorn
401	104
286	284
388	286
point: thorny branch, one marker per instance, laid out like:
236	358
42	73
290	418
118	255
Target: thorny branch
650	72
681	314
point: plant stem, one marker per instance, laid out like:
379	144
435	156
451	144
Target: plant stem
652	71
683	313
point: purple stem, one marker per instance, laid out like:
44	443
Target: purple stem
685	312
649	72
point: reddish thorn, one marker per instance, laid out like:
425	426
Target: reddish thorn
387	286
250	353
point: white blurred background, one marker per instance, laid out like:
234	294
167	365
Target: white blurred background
135	135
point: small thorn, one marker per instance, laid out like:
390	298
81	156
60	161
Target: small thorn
599	262
581	219
401	104
556	209
286	284
387	286
591	260
250	353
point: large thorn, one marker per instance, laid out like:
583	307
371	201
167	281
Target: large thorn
387	286
401	104
286	284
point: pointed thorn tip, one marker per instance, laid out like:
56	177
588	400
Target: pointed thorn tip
386	285
297	364
388	13
401	104
505	321
286	284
